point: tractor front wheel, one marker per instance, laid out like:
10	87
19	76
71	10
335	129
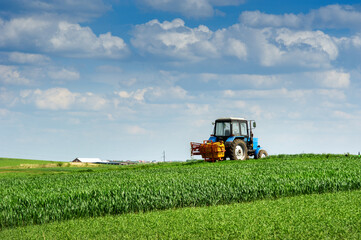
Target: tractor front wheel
262	154
238	150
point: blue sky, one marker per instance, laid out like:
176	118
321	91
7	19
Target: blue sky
130	79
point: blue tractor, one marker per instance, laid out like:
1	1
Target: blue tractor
231	138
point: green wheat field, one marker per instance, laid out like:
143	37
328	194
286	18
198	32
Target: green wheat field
304	196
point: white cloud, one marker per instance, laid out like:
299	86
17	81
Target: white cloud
62	99
352	42
27	58
154	94
311	40
266	47
283	47
124	94
52	99
356	41
64	74
190	8
64	38
331	16
137	95
175	40
91	101
333	79
337	16
236	48
11	75
74	40
171	39
24	32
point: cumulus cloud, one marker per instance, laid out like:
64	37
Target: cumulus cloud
174	39
74	40
267	47
337	16
60	37
171	39
11	75
52	99
62	99
313	40
352	42
305	48
331	16
190	8
283	47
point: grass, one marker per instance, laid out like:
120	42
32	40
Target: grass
115	190
318	216
16	162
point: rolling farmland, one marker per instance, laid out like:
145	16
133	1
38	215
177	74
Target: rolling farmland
93	192
55	195
316	216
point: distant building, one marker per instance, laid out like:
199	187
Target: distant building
90	160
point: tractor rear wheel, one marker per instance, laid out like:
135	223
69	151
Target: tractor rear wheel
262	154
238	150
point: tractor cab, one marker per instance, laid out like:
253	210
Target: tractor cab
230	127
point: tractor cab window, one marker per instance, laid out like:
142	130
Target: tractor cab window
223	129
244	129
235	129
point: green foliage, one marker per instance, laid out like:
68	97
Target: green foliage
322	216
11	162
47	198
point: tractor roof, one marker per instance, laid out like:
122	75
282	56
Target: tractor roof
229	119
